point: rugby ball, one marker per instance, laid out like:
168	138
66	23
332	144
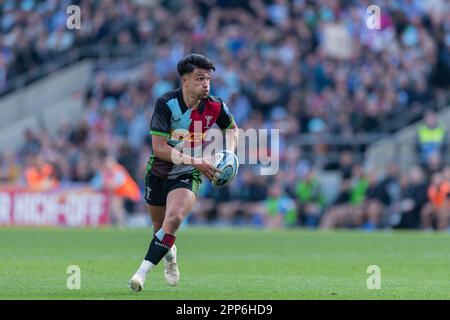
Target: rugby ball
228	163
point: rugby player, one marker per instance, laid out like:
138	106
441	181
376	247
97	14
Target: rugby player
173	175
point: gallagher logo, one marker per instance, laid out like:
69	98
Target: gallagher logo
185	135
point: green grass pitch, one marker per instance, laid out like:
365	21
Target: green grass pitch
226	264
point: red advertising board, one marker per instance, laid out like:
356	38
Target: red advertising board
74	207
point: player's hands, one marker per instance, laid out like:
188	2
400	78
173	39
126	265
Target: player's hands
205	166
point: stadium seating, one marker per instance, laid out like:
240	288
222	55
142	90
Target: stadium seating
278	66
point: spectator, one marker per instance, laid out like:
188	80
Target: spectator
9	169
431	138
82	171
375	204
31	145
114	178
40	175
252	196
436	212
414	197
348	208
311	200
280	210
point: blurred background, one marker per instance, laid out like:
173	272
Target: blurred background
363	114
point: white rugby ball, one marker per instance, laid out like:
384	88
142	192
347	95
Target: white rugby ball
228	163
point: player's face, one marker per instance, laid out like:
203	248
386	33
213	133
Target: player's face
198	83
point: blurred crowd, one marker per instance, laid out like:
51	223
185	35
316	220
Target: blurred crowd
404	200
305	67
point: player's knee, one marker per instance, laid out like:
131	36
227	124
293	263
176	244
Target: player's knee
175	218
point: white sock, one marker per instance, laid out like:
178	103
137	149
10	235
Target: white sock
145	267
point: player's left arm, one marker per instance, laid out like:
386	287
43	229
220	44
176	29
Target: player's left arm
226	122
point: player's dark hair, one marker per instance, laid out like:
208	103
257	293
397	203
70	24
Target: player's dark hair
192	61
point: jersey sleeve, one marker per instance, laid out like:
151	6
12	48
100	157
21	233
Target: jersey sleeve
225	119
160	123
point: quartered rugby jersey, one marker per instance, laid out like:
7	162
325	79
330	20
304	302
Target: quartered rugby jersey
185	128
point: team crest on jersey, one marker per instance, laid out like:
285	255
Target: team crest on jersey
208	121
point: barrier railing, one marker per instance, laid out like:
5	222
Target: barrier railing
325	149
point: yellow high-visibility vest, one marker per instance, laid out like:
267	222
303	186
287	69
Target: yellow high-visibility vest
428	135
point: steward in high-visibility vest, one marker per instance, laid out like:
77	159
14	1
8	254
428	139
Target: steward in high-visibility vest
430	140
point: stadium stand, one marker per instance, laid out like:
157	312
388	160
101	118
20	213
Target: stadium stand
280	64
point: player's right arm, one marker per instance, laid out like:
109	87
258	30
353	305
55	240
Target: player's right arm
168	153
160	131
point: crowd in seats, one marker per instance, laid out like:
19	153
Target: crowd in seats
408	199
